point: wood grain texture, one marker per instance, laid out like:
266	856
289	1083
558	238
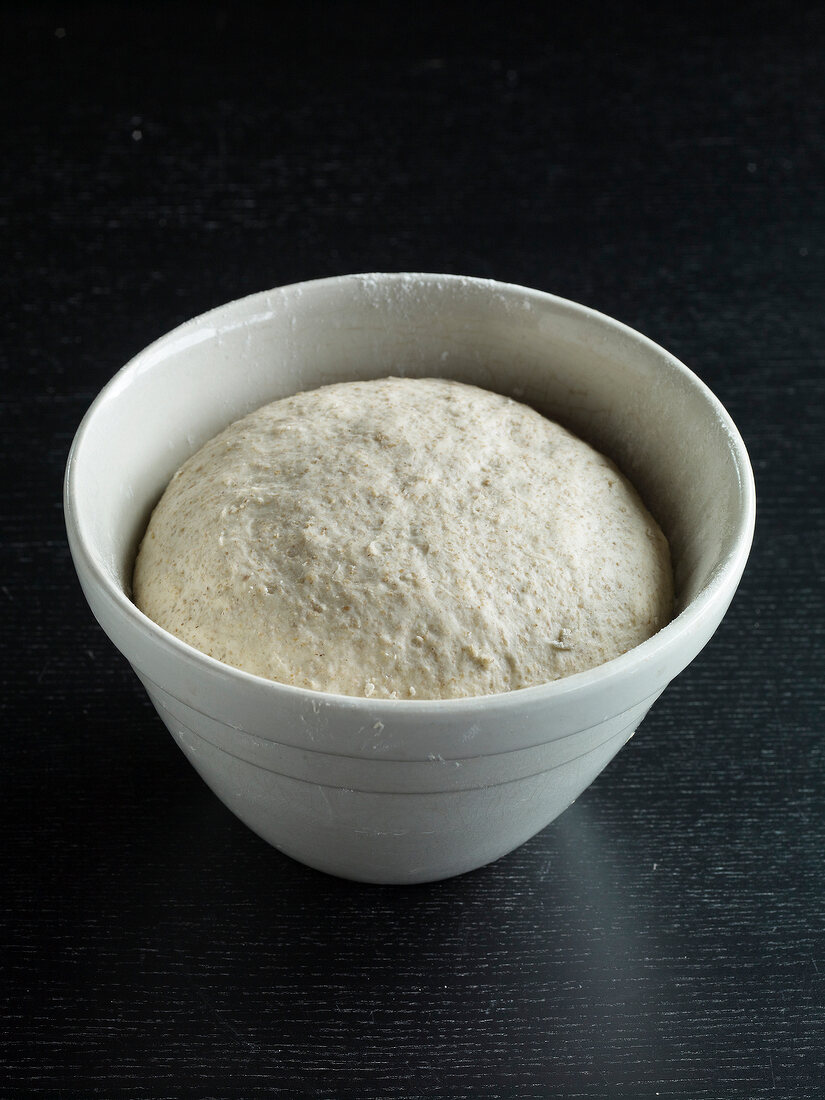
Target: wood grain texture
665	936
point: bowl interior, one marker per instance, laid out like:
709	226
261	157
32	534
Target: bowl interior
607	383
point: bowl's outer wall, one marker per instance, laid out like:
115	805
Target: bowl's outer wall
392	836
378	769
608	383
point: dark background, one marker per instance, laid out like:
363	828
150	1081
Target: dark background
665	936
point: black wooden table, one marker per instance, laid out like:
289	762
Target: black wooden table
665	936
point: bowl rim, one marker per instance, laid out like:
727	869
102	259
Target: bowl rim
689	622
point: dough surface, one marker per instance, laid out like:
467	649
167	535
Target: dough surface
403	538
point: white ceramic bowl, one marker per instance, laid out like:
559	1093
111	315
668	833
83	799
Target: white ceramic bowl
390	790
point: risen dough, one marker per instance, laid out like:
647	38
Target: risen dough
405	539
